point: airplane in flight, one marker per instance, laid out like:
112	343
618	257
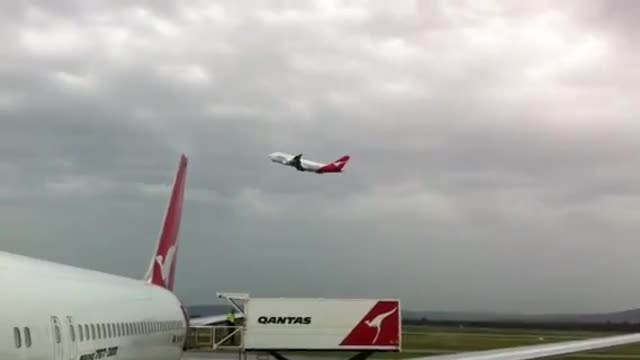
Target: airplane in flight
297	162
60	312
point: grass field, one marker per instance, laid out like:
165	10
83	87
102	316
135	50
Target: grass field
424	340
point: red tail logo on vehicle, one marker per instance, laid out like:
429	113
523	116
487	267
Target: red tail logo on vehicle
163	265
381	326
335	166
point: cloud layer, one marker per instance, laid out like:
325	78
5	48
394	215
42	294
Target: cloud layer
493	146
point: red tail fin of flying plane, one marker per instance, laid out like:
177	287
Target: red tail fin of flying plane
335	166
163	264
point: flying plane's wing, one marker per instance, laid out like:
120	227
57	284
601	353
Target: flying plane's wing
211	320
295	161
541	351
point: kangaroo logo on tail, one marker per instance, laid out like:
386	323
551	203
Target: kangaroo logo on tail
165	264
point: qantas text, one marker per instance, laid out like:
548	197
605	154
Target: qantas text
304	320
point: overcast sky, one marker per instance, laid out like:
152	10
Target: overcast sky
495	153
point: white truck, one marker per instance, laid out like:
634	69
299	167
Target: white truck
309	324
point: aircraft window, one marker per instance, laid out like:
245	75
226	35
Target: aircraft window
16	337
99	331
118	330
113	329
108	330
80	333
104	330
72	332
27	337
57	331
93	332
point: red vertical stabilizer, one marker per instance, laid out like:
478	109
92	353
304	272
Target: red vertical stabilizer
162	268
335	166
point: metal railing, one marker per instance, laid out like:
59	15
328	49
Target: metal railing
215	338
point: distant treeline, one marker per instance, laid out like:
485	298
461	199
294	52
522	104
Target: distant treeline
617	327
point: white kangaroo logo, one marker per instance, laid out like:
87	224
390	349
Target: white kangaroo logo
377	322
166	263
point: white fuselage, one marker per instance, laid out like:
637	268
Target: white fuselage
284	158
57	312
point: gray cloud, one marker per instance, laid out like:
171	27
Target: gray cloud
493	146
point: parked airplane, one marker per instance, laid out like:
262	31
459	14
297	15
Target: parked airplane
59	312
307	165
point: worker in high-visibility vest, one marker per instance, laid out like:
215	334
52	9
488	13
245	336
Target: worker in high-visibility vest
231	318
231	322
